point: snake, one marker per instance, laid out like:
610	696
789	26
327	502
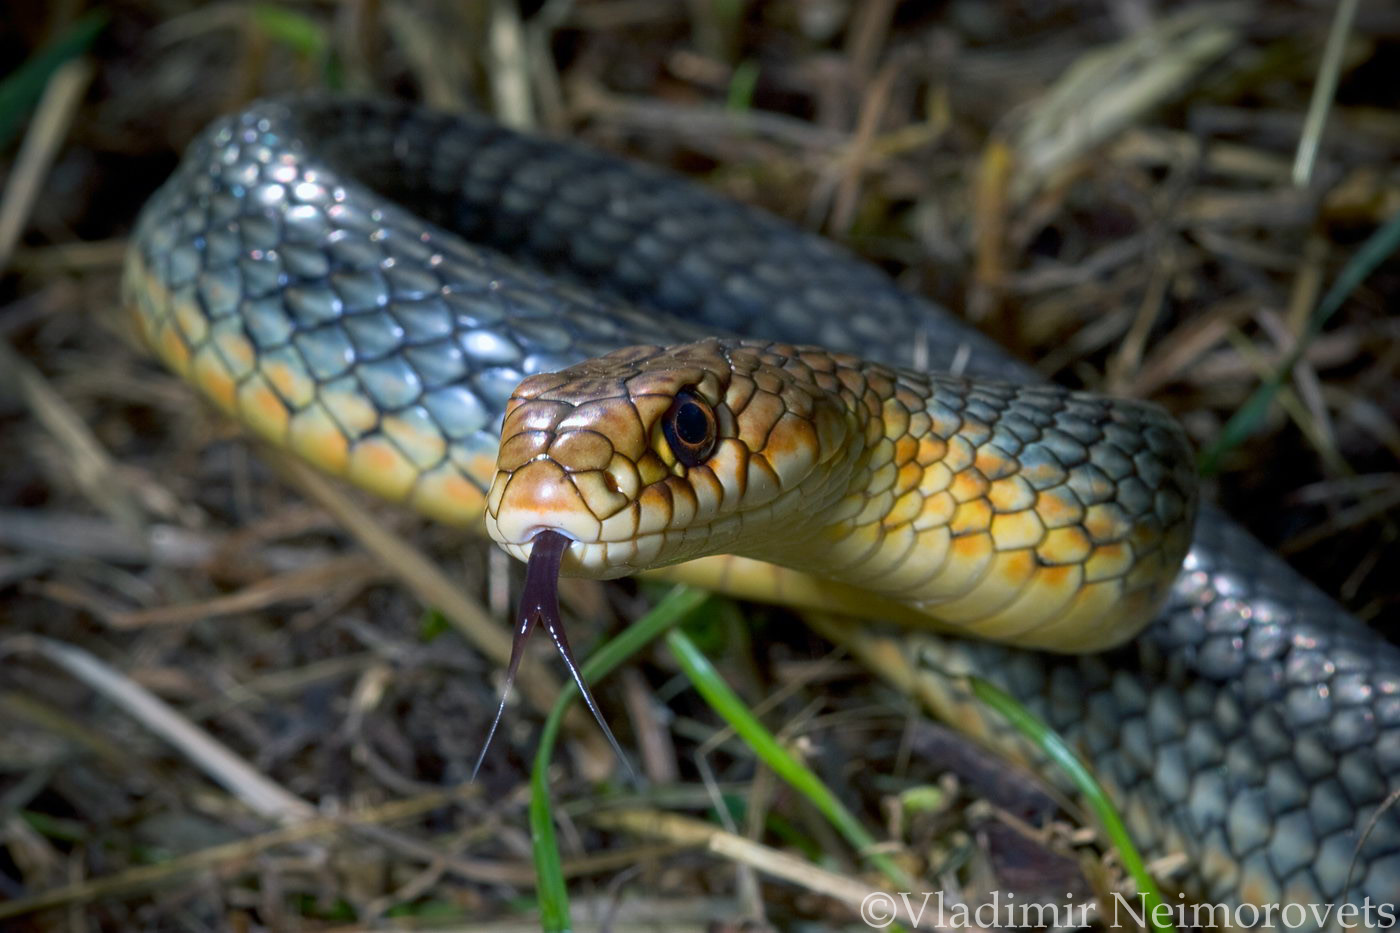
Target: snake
609	368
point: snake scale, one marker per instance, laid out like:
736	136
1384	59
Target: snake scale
299	269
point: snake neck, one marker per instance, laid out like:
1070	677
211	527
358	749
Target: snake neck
1027	514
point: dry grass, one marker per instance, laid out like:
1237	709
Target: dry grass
1105	191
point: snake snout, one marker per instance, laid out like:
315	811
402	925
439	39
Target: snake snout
539	495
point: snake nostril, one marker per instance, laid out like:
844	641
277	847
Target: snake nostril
610	481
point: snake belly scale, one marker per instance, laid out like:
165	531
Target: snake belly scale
298	268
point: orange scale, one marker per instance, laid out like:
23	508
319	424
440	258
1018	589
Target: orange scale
1108	562
1018	530
1041	599
1058	508
968	485
173	351
911	577
446	495
417	438
355	413
1011	494
937	511
973	517
856	543
294	383
236	350
262	409
211	375
377	465
191	321
479	468
1001	586
314	436
910	477
1064	546
905	450
905	509
1106	522
970	557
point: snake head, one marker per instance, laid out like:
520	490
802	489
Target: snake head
654	455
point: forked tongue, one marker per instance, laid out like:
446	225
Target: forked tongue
540	603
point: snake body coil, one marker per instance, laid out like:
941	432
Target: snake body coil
1254	726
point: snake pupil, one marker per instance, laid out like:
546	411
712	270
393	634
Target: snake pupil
689	426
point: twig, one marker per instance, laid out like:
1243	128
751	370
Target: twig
260	794
50	127
1323	92
146	877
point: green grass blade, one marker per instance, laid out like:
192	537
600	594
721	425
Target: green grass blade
1246	420
21	88
300	33
742	85
551	890
732	710
304	36
1049	742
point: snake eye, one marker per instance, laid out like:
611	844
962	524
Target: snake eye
689	426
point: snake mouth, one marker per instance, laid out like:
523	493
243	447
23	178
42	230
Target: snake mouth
538	534
598	560
539	604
